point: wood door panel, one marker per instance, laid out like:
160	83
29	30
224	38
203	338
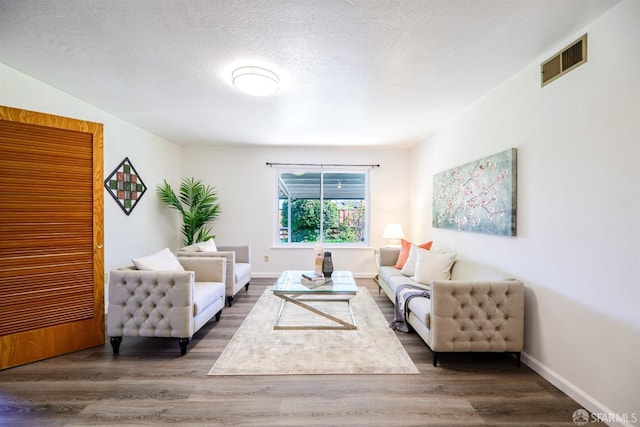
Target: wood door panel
26	347
51	220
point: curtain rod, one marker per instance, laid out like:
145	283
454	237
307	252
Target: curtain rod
319	164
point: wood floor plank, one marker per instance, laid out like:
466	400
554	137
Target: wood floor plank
149	383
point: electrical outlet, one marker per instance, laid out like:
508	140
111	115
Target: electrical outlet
266	258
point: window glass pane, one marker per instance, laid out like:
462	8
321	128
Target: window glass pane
345	207
299	202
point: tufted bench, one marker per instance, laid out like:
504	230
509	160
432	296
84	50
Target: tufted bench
172	304
479	309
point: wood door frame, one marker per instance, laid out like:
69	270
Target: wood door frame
65	338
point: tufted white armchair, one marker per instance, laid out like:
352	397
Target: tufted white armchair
173	304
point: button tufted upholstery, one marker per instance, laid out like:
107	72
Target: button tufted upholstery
479	310
150	303
165	303
477	316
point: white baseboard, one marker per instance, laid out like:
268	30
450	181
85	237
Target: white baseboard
567	387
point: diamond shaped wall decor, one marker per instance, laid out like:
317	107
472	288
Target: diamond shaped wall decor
125	186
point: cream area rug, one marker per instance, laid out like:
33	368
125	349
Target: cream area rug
258	349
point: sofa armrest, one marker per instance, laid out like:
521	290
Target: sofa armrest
206	269
387	256
150	303
242	252
477	315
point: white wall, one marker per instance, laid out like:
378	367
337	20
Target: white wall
246	190
148	228
577	250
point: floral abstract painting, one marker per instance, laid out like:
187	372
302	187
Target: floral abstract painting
478	196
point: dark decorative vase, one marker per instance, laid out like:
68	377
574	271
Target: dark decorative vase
327	265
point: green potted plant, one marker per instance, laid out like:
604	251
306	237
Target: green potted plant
197	204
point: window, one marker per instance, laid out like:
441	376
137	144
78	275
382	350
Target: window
322	206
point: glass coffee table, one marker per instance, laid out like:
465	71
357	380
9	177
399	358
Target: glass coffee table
339	288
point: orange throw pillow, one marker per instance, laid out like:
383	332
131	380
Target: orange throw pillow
405	246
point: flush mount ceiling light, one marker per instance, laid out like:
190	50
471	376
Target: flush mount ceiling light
255	81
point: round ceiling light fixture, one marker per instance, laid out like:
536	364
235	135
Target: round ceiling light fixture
255	81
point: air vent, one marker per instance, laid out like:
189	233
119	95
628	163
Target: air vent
564	61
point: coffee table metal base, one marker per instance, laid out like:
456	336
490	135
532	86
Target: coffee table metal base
300	302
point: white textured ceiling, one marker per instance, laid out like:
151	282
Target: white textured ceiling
353	72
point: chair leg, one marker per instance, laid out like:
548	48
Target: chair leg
184	342
435	358
218	315
246	287
517	354
115	344
229	301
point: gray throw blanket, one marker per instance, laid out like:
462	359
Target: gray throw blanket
404	293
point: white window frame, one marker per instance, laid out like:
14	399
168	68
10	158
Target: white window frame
321	169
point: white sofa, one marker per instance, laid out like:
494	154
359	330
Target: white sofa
165	303
238	265
479	309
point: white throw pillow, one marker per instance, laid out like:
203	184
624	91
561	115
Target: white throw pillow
207	246
162	260
433	266
409	266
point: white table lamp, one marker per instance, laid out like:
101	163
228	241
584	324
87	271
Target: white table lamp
394	233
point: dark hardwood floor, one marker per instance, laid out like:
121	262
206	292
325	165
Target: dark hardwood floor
150	384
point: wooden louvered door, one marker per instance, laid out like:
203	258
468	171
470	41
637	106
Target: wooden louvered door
51	236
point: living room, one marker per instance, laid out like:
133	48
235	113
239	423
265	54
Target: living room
577	208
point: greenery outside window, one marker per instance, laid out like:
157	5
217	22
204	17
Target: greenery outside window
322	206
